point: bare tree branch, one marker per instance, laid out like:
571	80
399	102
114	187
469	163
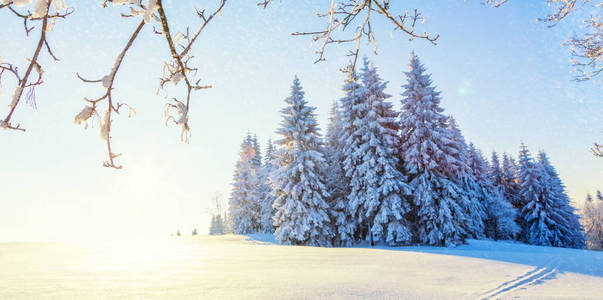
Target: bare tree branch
174	71
23	82
597	150
179	68
342	15
586	49
107	82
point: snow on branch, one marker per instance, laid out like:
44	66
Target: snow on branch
597	150
42	12
107	82
359	14
177	69
586	49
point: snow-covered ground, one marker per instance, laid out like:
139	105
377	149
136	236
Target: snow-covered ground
244	267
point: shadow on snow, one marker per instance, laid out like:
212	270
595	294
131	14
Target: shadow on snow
543	259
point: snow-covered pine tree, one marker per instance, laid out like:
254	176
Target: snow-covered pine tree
377	186
267	196
220	227
568	230
599	195
501	223
334	129
212	225
226	224
500	214
510	179
459	149
592	220
471	197
438	217
244	205
495	172
350	230
337	183
479	189
257	153
300	184
547	219
531	210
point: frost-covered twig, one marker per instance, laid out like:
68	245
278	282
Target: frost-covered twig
90	110
597	150
586	49
342	14
174	71
41	12
178	68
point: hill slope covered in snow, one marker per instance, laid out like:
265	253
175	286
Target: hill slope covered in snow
234	266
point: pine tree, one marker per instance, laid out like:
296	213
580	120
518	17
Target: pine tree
220	227
528	202
350	230
502	216
479	193
438	217
592	220
212	225
336	180
377	186
501	223
599	196
216	226
463	170
568	230
334	129
226	224
510	179
495	172
301	205
547	217
267	196
589	198
244	208
257	153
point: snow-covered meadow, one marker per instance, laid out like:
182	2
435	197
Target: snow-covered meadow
250	267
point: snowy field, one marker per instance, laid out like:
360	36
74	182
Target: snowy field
242	267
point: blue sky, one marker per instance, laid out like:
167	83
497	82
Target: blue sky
503	75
